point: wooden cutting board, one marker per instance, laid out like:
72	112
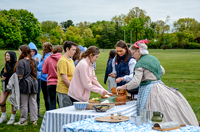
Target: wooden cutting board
108	119
167	129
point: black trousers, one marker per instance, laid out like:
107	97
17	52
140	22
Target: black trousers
51	93
45	96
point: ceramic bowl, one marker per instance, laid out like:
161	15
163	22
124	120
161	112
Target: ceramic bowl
101	108
80	105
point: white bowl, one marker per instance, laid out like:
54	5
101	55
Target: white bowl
80	105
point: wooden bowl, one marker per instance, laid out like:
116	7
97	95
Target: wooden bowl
120	98
113	90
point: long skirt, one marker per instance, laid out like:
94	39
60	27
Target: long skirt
170	102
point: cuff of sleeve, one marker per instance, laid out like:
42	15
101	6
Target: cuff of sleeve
125	78
101	91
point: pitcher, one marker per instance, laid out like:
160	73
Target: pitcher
157	116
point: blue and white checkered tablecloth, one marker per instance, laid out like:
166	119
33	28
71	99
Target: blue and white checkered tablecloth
54	120
90	125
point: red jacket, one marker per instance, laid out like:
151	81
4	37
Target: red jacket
50	66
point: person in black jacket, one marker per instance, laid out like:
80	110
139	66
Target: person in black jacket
109	69
6	73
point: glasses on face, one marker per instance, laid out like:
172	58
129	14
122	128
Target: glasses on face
134	52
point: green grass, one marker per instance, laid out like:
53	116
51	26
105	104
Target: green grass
182	71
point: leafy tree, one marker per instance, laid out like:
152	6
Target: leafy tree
138	28
87	33
73	31
90	41
133	13
66	24
59	29
43	39
119	32
105	33
73	34
29	25
161	27
55	37
119	19
187	25
46	26
10	36
82	26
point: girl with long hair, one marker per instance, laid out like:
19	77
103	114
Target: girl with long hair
84	79
77	56
47	49
111	80
26	69
122	64
6	73
50	67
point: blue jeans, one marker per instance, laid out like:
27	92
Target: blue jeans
38	95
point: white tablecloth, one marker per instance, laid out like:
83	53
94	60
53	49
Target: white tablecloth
90	125
54	120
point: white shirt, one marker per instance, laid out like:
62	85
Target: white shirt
131	66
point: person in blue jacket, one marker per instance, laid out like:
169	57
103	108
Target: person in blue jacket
47	49
37	57
111	80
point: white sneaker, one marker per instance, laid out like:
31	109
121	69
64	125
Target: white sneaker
21	123
3	119
11	121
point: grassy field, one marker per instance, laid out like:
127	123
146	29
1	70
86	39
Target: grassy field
182	69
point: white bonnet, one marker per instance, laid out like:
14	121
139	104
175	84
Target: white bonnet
141	45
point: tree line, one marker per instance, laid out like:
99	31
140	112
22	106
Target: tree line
19	27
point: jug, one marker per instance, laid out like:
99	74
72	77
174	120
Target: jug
146	115
157	116
137	120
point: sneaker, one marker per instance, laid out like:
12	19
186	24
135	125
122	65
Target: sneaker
40	116
34	123
21	123
3	119
11	121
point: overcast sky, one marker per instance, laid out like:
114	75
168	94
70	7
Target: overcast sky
93	10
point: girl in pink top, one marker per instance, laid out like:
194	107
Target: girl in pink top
50	66
84	79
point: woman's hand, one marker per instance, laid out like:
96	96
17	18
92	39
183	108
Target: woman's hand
3	78
37	60
119	79
105	92
113	75
121	87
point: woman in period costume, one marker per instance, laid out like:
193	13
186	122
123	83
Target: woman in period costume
153	94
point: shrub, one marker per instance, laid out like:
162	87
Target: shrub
152	44
193	46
